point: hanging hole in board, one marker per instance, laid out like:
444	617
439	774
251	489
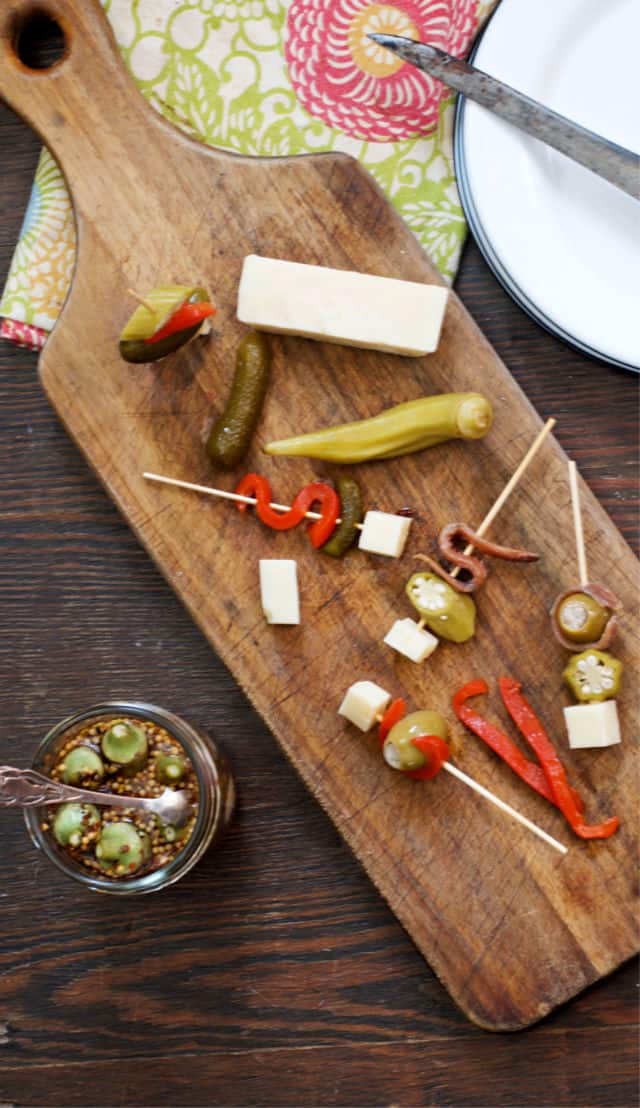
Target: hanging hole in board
39	41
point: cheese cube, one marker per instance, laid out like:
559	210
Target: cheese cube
363	703
279	590
338	305
414	642
384	533
592	725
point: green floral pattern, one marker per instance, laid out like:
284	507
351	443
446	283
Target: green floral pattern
217	69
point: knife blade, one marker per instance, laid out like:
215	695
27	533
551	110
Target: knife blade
616	164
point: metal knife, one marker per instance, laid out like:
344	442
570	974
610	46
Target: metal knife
619	166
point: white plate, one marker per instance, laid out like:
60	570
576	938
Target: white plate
563	242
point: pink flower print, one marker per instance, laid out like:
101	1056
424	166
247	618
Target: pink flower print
356	86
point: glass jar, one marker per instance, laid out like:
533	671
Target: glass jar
215	802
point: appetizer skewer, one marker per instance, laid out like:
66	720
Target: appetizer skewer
416	745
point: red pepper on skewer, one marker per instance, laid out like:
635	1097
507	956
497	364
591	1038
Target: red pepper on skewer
253	484
435	751
394	713
187	315
528	723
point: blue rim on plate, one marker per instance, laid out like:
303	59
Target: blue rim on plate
500	272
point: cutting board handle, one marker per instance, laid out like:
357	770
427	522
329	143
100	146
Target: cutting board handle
86	94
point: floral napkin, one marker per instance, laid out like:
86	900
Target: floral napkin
269	78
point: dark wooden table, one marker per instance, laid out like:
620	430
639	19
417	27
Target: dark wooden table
273	974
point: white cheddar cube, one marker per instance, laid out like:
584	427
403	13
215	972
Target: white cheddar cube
279	590
363	703
384	533
592	725
414	642
338	305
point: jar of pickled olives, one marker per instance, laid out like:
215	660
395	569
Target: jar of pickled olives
134	748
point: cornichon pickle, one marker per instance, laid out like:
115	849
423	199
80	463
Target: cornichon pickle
403	429
449	614
581	618
351	512
399	751
164	301
594	675
231	434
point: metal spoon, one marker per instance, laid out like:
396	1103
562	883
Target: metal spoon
25	788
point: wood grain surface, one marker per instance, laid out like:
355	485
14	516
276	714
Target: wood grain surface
281	951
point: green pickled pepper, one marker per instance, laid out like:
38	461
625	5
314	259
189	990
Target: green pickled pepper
449	614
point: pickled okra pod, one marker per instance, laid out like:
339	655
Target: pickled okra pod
125	743
82	764
73	822
122	847
167	317
594	676
403	429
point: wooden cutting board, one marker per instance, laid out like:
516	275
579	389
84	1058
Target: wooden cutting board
511	927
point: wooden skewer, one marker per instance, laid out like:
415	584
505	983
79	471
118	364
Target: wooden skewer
141	300
510	486
224	495
577	524
504	807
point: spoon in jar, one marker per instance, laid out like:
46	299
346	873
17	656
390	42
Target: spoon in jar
25	788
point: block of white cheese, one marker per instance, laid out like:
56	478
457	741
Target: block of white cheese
384	533
414	642
592	725
279	590
338	305
363	703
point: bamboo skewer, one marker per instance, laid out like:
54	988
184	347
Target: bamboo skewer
577	524
224	495
141	300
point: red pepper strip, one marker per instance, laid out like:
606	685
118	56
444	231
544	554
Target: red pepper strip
255	485
328	503
528	723
187	315
435	751
394	713
500	743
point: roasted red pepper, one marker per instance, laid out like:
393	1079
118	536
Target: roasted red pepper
316	493
528	723
435	751
187	315
394	713
500	743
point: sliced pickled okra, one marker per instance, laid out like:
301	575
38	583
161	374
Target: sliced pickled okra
121	847
170	769
398	749
164	301
230	436
594	675
81	765
73	821
351	513
449	614
125	743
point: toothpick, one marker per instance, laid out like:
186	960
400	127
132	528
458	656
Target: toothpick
577	524
224	495
510	486
141	300
493	799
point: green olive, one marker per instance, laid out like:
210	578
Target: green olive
73	821
581	618
125	743
449	614
82	764
399	751
594	675
170	768
121	848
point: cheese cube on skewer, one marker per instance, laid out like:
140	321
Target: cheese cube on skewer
414	642
592	725
384	533
279	590
363	703
337	305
